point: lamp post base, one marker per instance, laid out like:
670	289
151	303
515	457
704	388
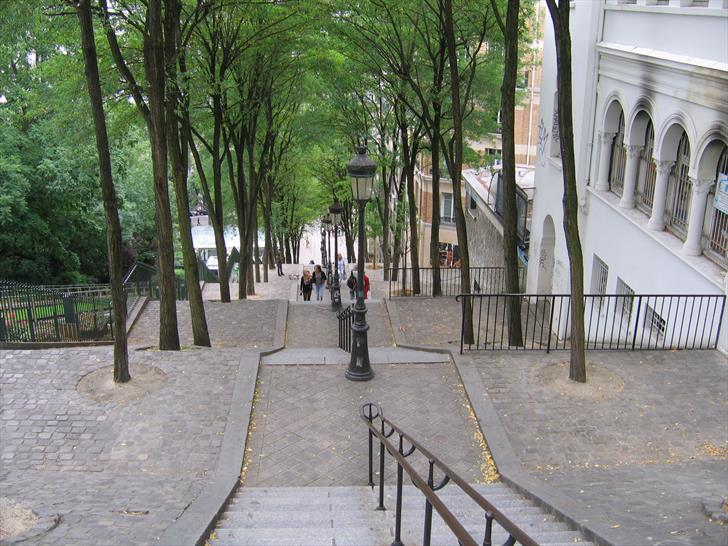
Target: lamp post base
360	368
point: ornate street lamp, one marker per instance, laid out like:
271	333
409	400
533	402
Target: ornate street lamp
324	230
361	170
335	211
327	230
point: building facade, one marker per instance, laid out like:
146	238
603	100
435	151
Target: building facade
650	114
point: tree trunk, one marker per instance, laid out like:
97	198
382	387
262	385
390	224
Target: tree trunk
289	256
456	167
113	227
178	159
154	69
409	152
435	225
257	249
562	34
508	180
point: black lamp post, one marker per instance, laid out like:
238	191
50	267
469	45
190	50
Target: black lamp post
361	170
335	211
327	239
324	254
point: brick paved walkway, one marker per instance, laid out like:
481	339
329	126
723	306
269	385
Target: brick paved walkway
116	474
240	323
307	430
645	459
430	322
313	324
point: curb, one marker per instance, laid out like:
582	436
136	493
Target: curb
279	337
500	446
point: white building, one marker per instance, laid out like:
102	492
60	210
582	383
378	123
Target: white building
650	92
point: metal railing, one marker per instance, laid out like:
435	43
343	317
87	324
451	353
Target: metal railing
485	280
611	321
382	428
345	317
38	314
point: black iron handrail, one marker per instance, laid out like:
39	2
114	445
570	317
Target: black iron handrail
485	280
611	321
345	318
371	412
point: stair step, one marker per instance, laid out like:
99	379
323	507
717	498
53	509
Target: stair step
342	516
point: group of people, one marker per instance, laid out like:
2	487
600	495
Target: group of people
317	281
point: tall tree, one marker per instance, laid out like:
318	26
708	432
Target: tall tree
152	110
174	56
560	18
113	233
509	28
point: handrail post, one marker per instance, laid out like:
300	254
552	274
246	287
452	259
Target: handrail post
381	471
487	540
428	508
398	509
371	452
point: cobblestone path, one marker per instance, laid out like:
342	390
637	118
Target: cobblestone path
642	462
115	474
240	323
307	429
430	322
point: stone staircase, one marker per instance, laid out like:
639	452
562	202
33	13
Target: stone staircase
347	516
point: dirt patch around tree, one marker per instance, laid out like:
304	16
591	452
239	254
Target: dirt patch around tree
14	519
99	385
602	384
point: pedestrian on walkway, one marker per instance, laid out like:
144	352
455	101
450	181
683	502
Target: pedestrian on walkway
341	264
319	281
366	286
306	285
279	263
351	284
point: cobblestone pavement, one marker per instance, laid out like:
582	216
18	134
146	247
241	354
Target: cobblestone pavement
116	474
307	429
315	325
433	322
647	457
240	323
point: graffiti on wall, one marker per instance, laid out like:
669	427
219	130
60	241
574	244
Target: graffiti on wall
543	138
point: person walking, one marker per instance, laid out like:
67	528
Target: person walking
351	284
366	286
306	285
319	281
279	263
341	264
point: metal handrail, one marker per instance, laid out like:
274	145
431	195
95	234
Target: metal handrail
488	280
371	412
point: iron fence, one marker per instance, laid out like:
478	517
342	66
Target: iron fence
383	429
38	314
345	317
484	280
611	322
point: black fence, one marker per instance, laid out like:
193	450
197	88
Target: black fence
345	317
39	314
611	322
484	280
68	313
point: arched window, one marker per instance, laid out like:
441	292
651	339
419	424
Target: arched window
680	190
618	160
715	231
647	174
